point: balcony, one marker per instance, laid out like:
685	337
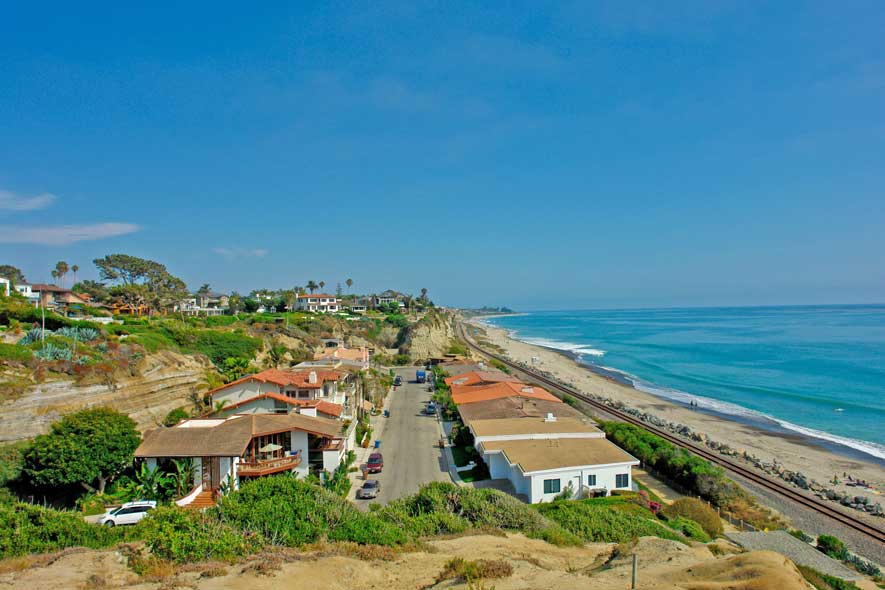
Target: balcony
268	466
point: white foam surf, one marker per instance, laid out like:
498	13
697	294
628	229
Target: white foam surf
579	349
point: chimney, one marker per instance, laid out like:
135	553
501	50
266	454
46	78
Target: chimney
312	377
550	417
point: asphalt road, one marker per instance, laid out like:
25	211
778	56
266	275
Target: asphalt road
410	442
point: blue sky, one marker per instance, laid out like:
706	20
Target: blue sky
538	155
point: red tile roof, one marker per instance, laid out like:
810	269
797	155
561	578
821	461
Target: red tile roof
478	377
300	379
321	405
465	394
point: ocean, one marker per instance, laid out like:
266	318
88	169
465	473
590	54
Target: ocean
814	370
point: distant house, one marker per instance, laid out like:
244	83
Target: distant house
358	357
192	306
314	392
5	283
226	451
317	302
386	298
50	295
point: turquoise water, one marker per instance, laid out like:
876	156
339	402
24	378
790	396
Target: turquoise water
817	370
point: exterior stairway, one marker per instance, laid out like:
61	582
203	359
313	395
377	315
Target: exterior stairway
204	499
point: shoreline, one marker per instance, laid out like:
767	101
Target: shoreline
772	445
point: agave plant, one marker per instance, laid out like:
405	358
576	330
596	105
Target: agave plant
33	335
51	352
79	334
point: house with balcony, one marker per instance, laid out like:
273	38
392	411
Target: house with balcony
193	306
51	295
314	392
317	303
224	452
354	357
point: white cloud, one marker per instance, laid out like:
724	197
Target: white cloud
10	201
63	234
241	252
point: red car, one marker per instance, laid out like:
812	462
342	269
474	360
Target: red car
375	463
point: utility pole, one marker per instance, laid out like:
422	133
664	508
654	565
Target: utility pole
633	579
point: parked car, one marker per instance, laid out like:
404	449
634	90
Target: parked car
430	408
398	381
369	490
375	463
128	513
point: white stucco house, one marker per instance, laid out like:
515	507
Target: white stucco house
312	391
225	451
541	455
317	302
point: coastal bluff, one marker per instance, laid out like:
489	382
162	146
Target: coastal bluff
164	381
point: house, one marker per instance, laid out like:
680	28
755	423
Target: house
466	394
386	298
50	295
225	451
358	357
358	308
480	378
543	468
192	306
315	392
212	300
543	447
317	302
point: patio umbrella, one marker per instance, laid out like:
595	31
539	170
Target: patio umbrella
270	447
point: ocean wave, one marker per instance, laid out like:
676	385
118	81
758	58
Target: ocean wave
727	408
579	349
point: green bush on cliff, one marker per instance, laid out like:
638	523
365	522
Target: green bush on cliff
185	536
26	528
286	511
601	523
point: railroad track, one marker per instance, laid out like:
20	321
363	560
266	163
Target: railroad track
754	476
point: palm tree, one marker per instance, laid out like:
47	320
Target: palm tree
183	477
349	283
322	284
423	294
54	275
312	286
74	269
61	268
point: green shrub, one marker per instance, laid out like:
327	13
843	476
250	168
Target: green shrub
182	536
824	581
832	546
286	511
26	528
452	509
14	352
175	416
687	470
698	511
219	346
459	568
601	524
689	528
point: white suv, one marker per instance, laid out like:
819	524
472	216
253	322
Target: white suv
128	513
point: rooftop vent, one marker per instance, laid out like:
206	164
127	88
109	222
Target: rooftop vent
527	389
550	417
312	377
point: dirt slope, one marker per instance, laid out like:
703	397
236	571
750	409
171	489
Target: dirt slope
165	381
663	564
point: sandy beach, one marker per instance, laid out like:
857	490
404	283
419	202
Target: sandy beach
794	452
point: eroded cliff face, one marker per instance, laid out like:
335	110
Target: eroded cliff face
431	337
165	380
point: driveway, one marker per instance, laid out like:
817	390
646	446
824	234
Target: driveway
409	442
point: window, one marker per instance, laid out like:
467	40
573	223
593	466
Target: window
591	480
551	486
622	480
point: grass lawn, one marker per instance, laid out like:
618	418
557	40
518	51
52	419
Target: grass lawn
462	457
478	473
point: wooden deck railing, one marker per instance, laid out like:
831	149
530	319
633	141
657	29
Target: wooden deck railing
268	466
